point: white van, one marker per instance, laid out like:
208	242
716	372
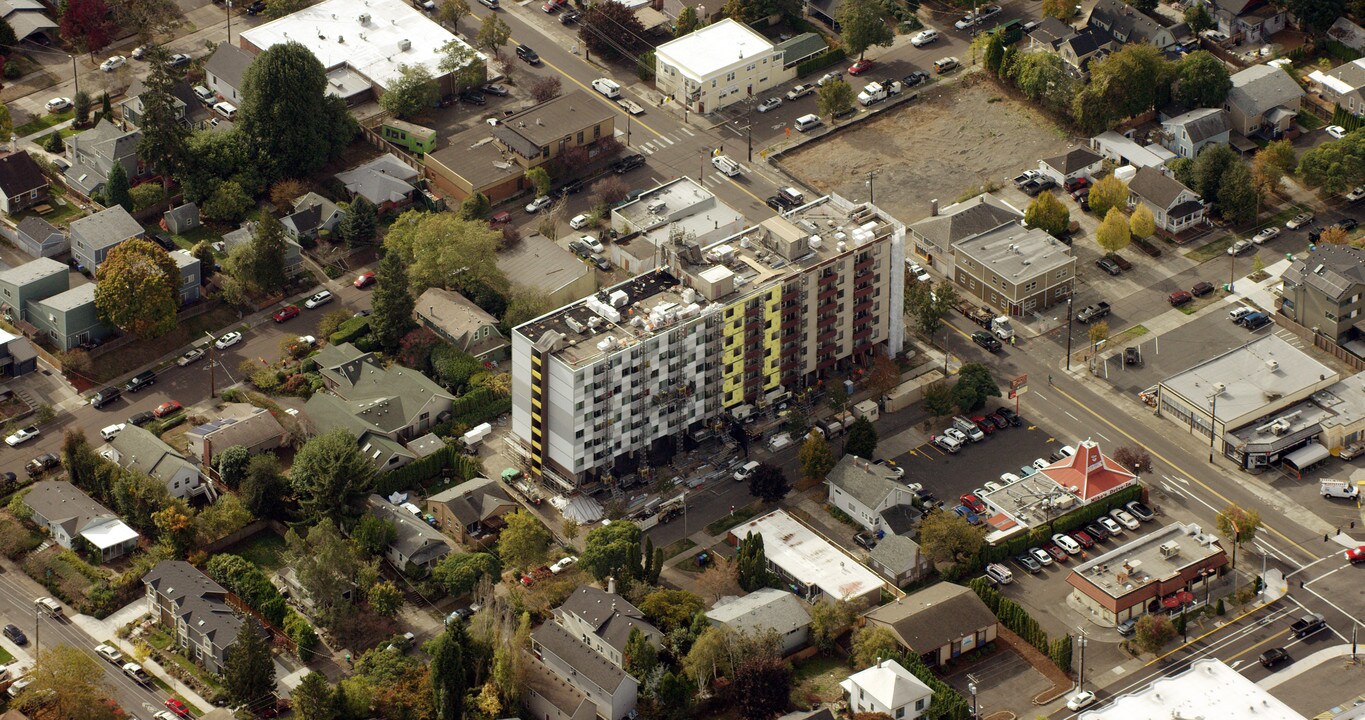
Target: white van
724	164
47	606
999	573
607	87
227	110
1338	489
806	122
743	473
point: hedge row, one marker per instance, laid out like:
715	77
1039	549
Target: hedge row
1013	616
820	62
1348	120
479	405
419	473
350	330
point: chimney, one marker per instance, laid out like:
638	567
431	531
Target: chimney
611	585
933	208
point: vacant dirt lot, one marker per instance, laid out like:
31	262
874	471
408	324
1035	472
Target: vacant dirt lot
953	138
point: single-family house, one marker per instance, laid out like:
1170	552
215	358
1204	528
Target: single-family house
1078	162
131	108
933	238
461	323
1124	150
1342	85
312	214
416	546
17	356
1125	24
1175	207
396	402
938	623
1187	133
22	182
40	238
864	491
1048	34
182	219
194	609
900	560
189	267
66	514
1250	21
765	610
889	689
293	252
549	696
34	280
225	70
603	621
251	427
29	20
473	508
385	181
136	447
611	690
1082	47
1264	100
93	153
69	319
93	236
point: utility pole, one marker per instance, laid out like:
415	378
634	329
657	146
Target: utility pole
213	368
1080	677
229	23
871	198
1213	423
749	129
1069	297
75	75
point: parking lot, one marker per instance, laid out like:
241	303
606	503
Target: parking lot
948	476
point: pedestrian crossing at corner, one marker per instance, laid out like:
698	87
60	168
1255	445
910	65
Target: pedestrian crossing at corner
652	146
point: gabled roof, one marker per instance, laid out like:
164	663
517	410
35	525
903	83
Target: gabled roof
38	229
138	448
1156	187
1073	160
868	483
1201	124
966	219
1084	43
240	424
64	505
19	174
413	537
761	610
107	228
891	685
612	616
475	500
32	271
1119	18
229	63
587	664
1333	270
383	179
897	552
1090	472
386	399
196	599
1050	31
1262	87
935	616
1343	78
457	317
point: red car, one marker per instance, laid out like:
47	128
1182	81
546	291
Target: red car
1356	556
860	67
986	426
287	312
177	707
1075	184
169	407
1082	539
973	502
1180	297
1057	553
365	279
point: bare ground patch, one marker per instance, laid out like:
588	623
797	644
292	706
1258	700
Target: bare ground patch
953	138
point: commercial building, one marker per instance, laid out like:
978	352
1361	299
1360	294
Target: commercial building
1155	573
1016	270
362	44
1037	500
546	267
1208	689
783	305
932	238
1305	433
938	623
807	564
1240	387
718	65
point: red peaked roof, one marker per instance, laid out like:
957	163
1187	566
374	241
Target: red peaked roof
1092	473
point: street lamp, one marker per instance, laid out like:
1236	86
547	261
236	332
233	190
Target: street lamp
1069	298
213	362
1081	642
971	688
1213	421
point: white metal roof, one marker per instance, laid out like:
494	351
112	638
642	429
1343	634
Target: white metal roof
809	558
705	51
108	533
1209	689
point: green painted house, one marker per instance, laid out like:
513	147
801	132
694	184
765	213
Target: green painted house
34	280
414	138
69	319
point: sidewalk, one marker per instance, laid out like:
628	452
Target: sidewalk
105	631
1302	666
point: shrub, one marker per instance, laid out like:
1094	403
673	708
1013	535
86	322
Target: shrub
350	331
821	61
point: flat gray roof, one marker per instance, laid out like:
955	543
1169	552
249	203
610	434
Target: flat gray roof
682	205
1251	376
1016	253
1156	556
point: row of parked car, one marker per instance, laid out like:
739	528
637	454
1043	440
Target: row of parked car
974	429
1064	545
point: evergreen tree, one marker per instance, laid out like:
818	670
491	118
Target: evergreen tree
862	439
116	188
248	673
449	673
752	563
640	655
286	116
165	139
358	224
393	303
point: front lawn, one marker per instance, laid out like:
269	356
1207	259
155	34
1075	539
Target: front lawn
135	355
1212	249
264	549
43	122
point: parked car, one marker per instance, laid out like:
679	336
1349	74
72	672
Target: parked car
984	425
22	435
1347	224
1123	518
256	8
860	67
539	204
1239	312
986	340
924	37
628	163
800	91
1028	563
109	431
41	464
142	418
318	300
1108	266
177	707
1201	289
1109	524
1356	194
364	279
170	407
1041	556
1266	235
1009	415
1127	627
563	564
528	55
1082	539
496	90
771	103
1336	131
1096	531
1180	297
957	435
967	514
109	653
865	539
135	671
1080	700
973	502
58	104
193	356
228	340
15	635
1067	543
916	271
113	63
1056	552
1074	184
1241	247
178	60
917	77
999	422
288	312
473	97
1299	221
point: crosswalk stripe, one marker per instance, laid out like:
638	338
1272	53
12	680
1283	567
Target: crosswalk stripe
689	132
667	139
646	149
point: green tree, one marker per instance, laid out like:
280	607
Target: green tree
313	699
523	305
1108	193
607	550
862	439
80	103
264	486
465	66
829	620
137	289
1335	167
165	138
834	98
460	573
687	22
873	644
946	537
330	476
540	180
392	302
609	30
1098	332
476	206
412	92
1143	6
249	673
1043	77
994	53
1153	632
1272	163
232	463
1133	79
1316	15
974	385
259	264
449	672
768	483
752	563
8	38
493	33
1213	160
524	541
450	12
286	117
385	598
229	203
327	566
66	683
816	457
358	224
442	250
928	304
640	656
1048	214
938	400
1238	525
1113	234
1237	199
863	24
146	195
116	188
1063	10
762	687
372	534
148	18
1198	18
1201	80
1141	224
218	156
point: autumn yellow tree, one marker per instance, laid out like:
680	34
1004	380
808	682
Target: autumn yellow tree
1141	223
1334	236
1109	192
1113	234
137	289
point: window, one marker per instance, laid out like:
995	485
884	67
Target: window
900	713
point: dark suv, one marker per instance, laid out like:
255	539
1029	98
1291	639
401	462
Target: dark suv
141	381
104	397
1274	657
1108	266
526	53
628	163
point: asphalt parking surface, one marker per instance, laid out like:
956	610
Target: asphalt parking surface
1190	344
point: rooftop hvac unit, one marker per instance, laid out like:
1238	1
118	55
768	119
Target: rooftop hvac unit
404	45
1219	388
1272	364
1169	549
364	18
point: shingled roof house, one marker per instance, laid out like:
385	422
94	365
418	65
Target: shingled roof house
1175	207
194	608
67	513
416	546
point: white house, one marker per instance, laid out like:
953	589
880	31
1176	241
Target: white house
1175	207
870	495
1077	162
763	610
718	65
887	688
135	447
